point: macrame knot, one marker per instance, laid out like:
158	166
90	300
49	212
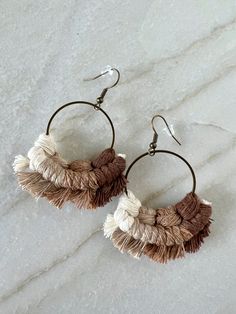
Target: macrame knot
88	184
162	234
127	209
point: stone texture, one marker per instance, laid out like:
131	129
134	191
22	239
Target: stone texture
177	58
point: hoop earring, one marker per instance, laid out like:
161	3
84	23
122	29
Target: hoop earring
164	233
87	184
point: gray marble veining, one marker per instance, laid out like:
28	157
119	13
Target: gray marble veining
176	58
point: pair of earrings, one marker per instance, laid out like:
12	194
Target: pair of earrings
162	234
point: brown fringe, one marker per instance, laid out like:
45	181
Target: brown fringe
99	181
164	253
125	243
172	231
194	244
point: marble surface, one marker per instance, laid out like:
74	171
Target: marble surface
177	58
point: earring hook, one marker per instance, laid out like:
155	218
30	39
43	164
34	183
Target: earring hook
100	99
153	144
104	73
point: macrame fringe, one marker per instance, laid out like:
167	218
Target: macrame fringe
109	226
20	163
125	243
163	234
88	184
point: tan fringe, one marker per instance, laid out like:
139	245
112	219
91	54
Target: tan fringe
88	184
166	233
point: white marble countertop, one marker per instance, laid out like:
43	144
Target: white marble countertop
177	58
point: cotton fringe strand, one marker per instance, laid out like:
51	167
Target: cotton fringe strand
163	234
87	184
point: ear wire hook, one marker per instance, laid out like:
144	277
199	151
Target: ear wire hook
100	99
153	144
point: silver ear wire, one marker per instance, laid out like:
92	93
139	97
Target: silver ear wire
100	99
153	144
